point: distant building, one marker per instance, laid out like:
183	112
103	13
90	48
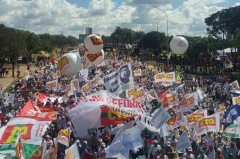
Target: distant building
83	36
88	30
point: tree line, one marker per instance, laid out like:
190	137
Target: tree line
223	31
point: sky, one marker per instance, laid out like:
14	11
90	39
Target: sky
71	17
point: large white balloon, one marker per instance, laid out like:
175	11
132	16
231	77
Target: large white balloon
69	64
94	59
93	43
179	45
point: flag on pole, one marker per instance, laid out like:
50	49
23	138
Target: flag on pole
160	118
183	141
39	152
30	145
233	131
19	147
232	113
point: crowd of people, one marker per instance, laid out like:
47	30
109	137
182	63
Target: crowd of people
155	145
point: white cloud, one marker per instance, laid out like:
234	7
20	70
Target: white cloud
103	16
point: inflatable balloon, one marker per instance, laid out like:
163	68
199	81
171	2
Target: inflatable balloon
94	59
81	46
93	43
179	45
69	64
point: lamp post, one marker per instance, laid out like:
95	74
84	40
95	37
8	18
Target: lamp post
142	32
167	30
167	22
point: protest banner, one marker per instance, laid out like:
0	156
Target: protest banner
208	124
120	80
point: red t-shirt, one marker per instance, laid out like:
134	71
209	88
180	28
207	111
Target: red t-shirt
149	141
1	118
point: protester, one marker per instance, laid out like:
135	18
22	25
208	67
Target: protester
182	98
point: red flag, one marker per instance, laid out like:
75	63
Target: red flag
39	152
28	108
52	61
41	97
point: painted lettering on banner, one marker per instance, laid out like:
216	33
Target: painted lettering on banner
62	63
207	122
193	118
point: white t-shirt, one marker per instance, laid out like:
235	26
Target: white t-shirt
102	153
188	156
208	138
165	157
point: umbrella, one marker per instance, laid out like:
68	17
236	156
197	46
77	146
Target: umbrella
234	91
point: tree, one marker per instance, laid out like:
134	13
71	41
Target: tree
155	41
224	23
33	43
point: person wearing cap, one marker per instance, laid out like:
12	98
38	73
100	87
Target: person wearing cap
202	155
153	149
188	154
102	151
78	145
85	151
49	142
169	150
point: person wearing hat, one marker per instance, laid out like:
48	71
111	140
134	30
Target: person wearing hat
102	151
49	142
169	150
153	149
85	151
202	155
78	145
188	154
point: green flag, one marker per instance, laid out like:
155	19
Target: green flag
29	146
233	131
8	150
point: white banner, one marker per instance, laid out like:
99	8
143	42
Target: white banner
170	77
236	100
137	72
104	98
75	83
159	77
208	124
72	152
120	80
193	118
52	85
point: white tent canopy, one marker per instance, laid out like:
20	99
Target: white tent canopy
227	50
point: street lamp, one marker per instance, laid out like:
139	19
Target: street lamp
167	22
167	30
142	32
